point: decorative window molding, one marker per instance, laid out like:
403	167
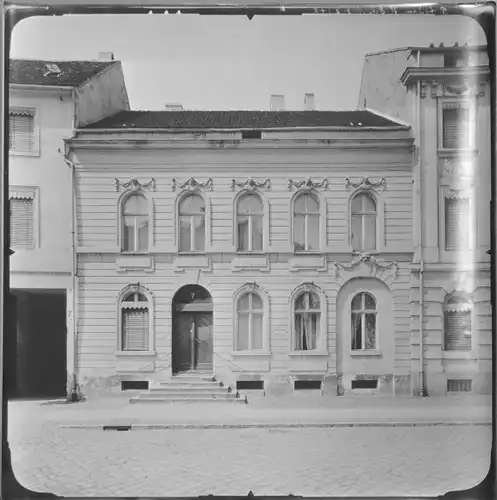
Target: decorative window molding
385	271
364	314
366	182
24	131
137	346
134	185
250	184
459	322
121	204
380	217
24	218
451	128
207	220
244	291
322	224
321	341
307	184
194	185
264	214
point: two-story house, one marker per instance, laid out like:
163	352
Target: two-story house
48	100
259	246
444	93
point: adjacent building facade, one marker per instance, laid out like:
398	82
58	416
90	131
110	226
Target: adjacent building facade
48	100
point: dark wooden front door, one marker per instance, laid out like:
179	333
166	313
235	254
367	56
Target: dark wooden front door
192	348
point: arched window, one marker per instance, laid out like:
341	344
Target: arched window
249	223
307	321
364	324
457	315
363	222
250	316
135	224
135	317
306	223
192	224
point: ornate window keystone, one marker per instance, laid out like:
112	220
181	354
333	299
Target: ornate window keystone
134	184
386	271
192	184
250	184
307	184
365	182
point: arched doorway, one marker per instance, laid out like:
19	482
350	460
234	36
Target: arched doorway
192	330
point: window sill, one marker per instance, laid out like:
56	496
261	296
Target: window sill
250	353
22	153
130	254
459	355
368	353
445	152
300	354
135	353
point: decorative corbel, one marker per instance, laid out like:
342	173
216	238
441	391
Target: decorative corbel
434	89
365	182
192	184
250	184
423	89
134	184
307	184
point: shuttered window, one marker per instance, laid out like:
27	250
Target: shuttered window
135	323
456	128
22	130
457	224
458	331
21	223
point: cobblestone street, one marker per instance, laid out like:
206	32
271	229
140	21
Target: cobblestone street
336	461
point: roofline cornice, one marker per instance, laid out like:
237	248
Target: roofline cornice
413	74
53	88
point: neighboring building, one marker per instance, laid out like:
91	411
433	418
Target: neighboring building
444	93
273	246
48	100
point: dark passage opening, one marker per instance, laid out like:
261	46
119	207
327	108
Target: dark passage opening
244	385
251	134
364	384
134	385
41	343
307	384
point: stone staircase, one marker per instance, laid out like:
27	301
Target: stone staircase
190	387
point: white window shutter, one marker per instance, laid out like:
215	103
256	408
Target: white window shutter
455	128
21	132
457	230
21	223
135	333
458	331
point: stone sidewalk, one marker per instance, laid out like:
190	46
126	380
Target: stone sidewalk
264	412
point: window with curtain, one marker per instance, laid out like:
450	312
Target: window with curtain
306	223
135	224
192	224
250	311
455	119
457	224
363	312
249	223
363	222
22	130
457	328
307	321
135	333
22	223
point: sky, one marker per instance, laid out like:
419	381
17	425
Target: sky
231	62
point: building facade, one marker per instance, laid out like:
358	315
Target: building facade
444	93
48	100
267	246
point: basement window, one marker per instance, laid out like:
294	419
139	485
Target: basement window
134	385
251	134
246	385
459	385
302	385
364	384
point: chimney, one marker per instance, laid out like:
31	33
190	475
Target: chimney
174	107
277	102
309	102
106	56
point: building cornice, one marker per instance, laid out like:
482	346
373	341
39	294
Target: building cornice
444	75
50	88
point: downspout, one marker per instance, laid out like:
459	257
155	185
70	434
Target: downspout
75	394
421	258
